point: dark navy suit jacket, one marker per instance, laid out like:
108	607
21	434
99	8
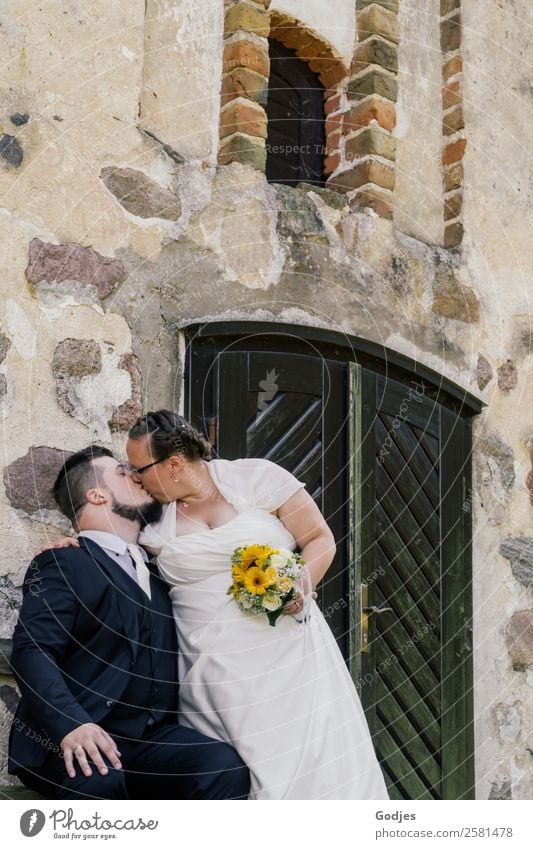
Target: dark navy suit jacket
74	645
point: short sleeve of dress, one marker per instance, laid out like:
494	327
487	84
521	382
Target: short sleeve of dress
158	533
271	485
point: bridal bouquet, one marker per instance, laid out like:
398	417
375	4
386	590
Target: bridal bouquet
264	578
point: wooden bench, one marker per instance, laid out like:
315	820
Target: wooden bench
12	791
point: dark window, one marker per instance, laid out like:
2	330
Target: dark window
296	140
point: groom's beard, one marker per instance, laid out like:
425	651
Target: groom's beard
145	513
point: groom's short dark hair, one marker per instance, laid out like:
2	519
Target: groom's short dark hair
75	477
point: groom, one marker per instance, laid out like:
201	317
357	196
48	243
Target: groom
95	658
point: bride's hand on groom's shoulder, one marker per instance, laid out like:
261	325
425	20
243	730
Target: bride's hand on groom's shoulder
64	542
89	741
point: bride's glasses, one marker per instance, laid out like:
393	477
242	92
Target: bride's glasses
132	470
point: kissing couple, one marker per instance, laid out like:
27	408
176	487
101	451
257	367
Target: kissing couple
141	677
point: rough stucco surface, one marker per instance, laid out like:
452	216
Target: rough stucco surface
418	191
498	261
104	90
181	75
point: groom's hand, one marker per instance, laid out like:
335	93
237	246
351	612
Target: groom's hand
64	542
89	740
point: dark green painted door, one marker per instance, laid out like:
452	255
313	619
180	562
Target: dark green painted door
413	653
387	466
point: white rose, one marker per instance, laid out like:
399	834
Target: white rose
245	602
281	558
271	601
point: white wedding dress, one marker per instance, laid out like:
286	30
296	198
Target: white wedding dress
281	696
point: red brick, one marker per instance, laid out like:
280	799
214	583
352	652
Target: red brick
374	20
452	67
244	118
371	140
334	123
368	171
451	95
334	76
453	206
374	82
374	109
292	34
453	152
332	163
299	39
453	121
244	83
245	54
333	103
375	51
450	34
241	148
333	142
322	64
312	48
245	17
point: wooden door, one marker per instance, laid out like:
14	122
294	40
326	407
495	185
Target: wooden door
388	467
413	655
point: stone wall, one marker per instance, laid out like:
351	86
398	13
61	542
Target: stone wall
497	261
119	226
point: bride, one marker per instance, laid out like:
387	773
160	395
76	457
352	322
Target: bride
282	695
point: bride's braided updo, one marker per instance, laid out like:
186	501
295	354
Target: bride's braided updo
171	434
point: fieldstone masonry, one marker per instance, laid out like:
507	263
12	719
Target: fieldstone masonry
57	264
28	480
140	195
73	360
484	372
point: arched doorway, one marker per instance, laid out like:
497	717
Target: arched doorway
384	446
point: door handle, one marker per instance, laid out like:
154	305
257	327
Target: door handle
365	610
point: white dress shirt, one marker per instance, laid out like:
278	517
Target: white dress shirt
116	548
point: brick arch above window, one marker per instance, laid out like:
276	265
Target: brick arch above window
246	70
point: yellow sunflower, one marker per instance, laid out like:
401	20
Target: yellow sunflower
239	574
254	553
256	581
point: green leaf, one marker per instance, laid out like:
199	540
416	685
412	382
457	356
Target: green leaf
273	615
